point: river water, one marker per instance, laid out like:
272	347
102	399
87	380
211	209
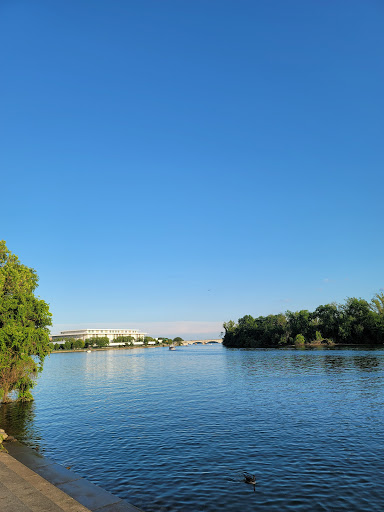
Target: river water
174	430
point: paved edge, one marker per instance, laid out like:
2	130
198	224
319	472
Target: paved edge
69	483
24	490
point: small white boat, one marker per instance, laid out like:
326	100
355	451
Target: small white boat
89	351
172	347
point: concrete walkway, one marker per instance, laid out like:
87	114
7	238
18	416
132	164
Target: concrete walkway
22	490
32	483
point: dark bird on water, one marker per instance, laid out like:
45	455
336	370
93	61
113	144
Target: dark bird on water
250	479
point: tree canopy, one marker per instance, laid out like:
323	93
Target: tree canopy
355	322
377	303
24	321
101	342
127	340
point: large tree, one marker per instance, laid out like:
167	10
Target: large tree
24	321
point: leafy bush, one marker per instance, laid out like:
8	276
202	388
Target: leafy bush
299	340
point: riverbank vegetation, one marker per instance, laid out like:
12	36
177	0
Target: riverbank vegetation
356	322
24	333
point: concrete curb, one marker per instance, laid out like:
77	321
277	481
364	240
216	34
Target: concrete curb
91	496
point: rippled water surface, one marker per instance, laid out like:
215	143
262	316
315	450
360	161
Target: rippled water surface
173	430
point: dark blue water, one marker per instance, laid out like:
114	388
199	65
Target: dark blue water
173	430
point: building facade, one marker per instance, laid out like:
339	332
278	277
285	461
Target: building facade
111	334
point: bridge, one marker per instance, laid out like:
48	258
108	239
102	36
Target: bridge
201	342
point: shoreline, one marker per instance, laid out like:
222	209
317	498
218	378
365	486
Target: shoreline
34	480
285	347
312	346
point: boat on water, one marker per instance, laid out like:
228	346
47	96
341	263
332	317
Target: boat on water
172	347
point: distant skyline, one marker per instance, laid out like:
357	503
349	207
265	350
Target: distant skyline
170	165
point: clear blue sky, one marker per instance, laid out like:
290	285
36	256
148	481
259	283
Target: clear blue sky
170	165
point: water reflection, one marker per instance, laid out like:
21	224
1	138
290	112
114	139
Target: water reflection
258	361
18	418
367	363
334	363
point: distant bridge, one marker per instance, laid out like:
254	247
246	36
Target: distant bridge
201	342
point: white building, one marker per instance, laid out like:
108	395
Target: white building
111	334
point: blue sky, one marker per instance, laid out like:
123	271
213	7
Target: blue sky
170	165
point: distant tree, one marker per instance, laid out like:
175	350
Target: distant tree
126	340
229	338
359	322
67	345
95	340
101	342
178	340
328	320
377	303
300	322
299	340
78	344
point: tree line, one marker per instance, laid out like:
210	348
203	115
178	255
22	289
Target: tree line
354	322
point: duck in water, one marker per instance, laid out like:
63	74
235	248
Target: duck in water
250	479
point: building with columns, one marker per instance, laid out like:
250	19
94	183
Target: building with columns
111	334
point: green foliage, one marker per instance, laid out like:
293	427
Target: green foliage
24	321
100	342
355	322
328	320
147	339
301	322
299	340
377	303
178	340
126	340
69	344
167	341
78	344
